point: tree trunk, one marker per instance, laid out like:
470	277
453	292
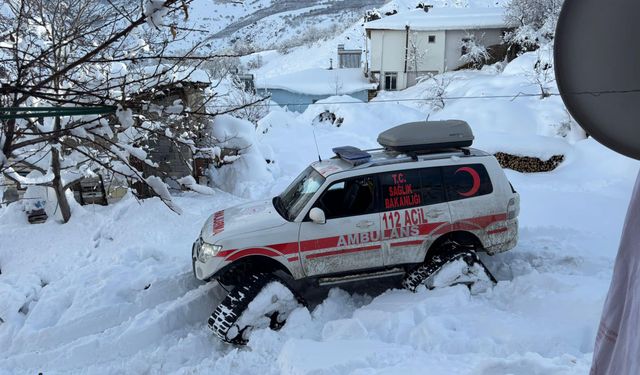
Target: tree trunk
57	183
9	126
63	203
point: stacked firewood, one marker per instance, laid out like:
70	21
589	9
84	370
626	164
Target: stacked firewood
528	164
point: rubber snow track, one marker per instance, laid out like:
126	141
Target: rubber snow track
227	313
427	273
251	306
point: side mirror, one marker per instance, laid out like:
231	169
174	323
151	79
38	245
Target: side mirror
317	216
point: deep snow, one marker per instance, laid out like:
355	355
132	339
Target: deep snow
112	290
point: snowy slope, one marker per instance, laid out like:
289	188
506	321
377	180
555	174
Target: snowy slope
112	292
267	24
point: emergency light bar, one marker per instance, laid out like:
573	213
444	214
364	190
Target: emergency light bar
352	154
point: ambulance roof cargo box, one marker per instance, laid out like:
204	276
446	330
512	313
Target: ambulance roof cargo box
426	136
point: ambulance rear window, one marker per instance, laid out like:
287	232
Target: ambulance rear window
466	181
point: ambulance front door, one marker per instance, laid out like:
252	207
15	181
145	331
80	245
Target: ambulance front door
350	238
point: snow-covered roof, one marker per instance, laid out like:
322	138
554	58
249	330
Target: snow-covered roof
319	82
443	19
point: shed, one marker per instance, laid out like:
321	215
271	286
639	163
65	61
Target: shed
298	90
186	86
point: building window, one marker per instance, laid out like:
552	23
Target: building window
349	60
246	82
432	38
464	49
390	81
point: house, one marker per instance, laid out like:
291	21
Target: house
178	87
403	47
296	91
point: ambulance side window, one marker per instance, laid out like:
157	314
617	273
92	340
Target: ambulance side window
401	189
351	197
432	188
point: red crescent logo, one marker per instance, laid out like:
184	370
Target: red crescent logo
476	181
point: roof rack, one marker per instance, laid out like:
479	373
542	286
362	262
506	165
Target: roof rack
405	157
415	153
352	155
427	136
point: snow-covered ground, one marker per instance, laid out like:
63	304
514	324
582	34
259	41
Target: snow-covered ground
112	292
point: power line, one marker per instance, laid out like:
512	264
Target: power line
429	99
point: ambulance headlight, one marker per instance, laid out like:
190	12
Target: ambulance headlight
207	251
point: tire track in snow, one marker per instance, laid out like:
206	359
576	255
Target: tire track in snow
171	305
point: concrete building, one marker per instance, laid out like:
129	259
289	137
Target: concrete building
403	47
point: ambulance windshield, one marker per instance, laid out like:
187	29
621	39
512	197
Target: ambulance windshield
297	195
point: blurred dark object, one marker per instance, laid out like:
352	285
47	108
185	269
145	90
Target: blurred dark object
37	216
597	53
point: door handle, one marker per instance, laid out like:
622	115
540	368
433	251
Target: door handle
364	224
434	214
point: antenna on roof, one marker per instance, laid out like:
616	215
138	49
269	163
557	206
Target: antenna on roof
313	130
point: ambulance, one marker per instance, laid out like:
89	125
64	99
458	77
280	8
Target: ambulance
423	203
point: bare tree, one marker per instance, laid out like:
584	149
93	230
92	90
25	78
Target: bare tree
542	74
436	90
474	53
535	19
245	102
338	84
416	53
83	53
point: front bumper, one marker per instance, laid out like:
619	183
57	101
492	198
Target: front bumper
204	270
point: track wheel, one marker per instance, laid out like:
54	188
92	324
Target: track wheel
262	301
458	266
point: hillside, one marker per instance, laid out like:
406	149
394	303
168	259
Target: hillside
259	25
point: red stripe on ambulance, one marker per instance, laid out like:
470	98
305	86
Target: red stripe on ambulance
496	231
345	251
247	252
218	222
407	243
424	229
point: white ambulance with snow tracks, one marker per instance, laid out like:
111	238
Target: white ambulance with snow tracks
423	202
